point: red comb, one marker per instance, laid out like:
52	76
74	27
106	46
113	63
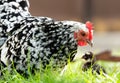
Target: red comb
89	25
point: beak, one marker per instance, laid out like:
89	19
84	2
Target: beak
89	42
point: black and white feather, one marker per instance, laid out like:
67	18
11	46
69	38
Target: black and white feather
11	14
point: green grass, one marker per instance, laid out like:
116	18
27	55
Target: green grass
73	74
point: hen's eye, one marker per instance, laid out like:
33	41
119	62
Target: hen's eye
83	34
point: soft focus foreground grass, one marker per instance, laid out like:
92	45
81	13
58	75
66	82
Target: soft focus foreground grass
74	74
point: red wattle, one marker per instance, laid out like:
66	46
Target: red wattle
82	43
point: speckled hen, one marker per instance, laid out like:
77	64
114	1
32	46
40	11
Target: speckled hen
40	41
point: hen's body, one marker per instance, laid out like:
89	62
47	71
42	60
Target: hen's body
41	39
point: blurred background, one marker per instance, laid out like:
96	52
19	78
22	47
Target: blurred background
104	14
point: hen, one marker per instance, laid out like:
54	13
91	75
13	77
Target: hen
40	41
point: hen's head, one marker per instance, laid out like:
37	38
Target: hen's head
84	34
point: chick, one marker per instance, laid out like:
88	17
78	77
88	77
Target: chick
90	62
